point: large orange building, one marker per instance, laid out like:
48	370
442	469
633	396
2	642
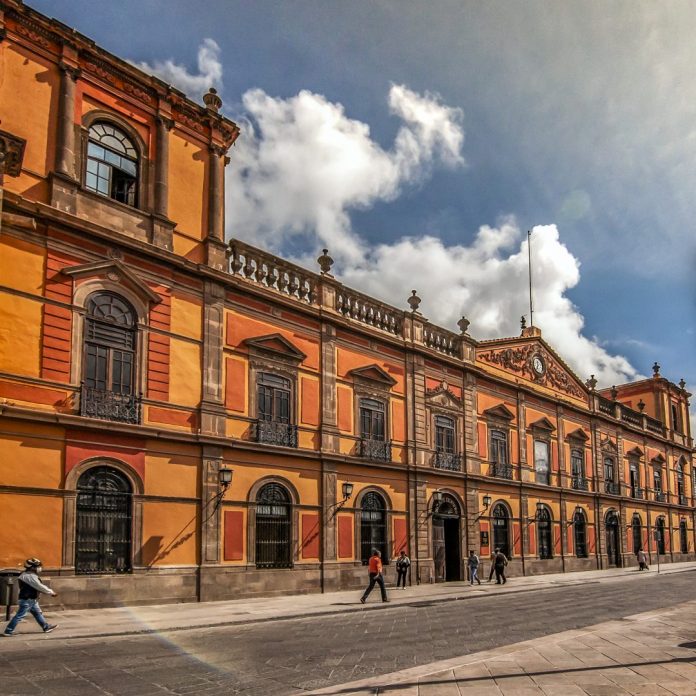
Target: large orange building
145	362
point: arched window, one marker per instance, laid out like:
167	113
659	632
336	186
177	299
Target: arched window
109	360
580	532
636	529
273	527
373	527
501	529
112	163
544	533
683	536
103	528
660	535
274	403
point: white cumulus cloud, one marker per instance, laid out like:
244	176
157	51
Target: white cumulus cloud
194	85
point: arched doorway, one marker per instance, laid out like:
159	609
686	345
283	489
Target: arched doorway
613	539
660	535
501	529
273	527
103	523
637	532
447	540
544	533
373	527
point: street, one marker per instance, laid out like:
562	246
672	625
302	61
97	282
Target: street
297	655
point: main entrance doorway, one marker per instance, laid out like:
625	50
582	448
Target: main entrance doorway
613	541
447	540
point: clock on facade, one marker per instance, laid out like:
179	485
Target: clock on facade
538	365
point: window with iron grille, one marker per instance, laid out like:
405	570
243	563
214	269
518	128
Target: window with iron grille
660	535
273	394
498	452
577	463
103	526
372	419
444	434
112	164
501	529
109	363
636	529
373	527
609	472
541	461
273	527
580	534
544	533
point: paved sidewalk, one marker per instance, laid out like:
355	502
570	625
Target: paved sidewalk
649	653
173	617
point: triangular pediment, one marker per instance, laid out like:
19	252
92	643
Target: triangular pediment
115	271
635	452
500	411
277	345
530	358
442	396
373	373
658	460
543	424
578	434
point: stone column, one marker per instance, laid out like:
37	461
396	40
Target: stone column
216	208
164	125
212	408
65	140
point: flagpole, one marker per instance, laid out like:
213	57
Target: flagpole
529	251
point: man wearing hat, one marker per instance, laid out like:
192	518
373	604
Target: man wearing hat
29	588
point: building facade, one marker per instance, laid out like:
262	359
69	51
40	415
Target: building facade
184	418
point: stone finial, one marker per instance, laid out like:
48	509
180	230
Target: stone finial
682	384
614	393
463	324
414	301
656	369
641	405
325	262
591	383
523	322
211	100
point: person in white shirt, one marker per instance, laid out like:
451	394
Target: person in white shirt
29	589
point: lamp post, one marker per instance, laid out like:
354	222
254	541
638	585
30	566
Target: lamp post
225	479
347	490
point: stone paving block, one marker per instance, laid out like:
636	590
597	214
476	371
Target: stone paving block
683	688
647	690
562	690
603	690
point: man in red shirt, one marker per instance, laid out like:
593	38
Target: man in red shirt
374	566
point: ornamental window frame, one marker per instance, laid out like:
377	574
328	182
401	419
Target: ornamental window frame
367	492
580	537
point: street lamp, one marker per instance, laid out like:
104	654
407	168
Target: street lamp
437	501
224	478
347	489
578	511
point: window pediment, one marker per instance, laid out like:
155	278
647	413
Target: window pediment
608	445
658	460
543	425
277	346
443	397
373	374
115	271
635	452
501	412
579	435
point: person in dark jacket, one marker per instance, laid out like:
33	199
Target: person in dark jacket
403	563
499	563
29	589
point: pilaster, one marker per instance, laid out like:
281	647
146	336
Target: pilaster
471	444
212	408
328	505
210	510
329	416
216	248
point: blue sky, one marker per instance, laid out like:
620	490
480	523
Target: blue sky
419	141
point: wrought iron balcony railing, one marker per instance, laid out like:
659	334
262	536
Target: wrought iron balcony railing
543	477
612	487
448	460
579	483
273	433
108	405
683	500
501	470
659	496
377	450
637	493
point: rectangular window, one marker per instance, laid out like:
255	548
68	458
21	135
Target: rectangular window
577	464
444	434
541	461
499	453
273	398
372	420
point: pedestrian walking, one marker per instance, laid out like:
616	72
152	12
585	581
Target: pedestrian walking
403	563
499	563
642	559
473	563
492	570
29	589
374	567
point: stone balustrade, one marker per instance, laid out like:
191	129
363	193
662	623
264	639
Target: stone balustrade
441	340
364	309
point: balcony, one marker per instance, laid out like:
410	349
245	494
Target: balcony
683	500
109	406
272	433
612	487
501	470
637	493
543	477
447	460
579	483
659	497
377	450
